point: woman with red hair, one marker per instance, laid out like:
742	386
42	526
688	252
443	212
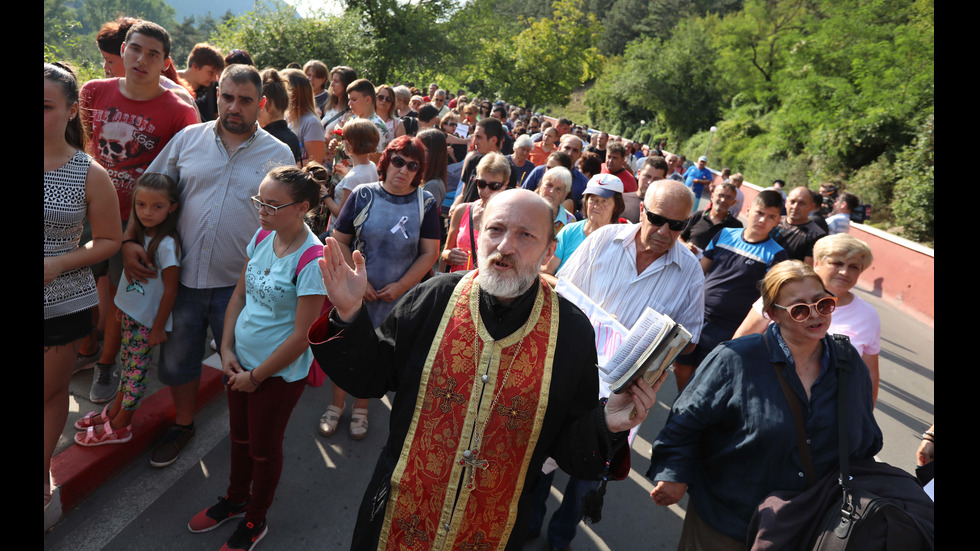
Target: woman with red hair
395	225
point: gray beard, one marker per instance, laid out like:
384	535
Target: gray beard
503	287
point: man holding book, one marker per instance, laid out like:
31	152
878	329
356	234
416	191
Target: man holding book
624	269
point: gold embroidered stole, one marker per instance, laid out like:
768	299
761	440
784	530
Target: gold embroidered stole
431	505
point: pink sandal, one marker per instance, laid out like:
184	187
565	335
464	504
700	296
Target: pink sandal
92	419
108	436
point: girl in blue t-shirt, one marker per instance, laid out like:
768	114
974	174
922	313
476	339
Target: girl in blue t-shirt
144	309
265	354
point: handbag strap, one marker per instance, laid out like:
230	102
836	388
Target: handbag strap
794	406
469	212
842	343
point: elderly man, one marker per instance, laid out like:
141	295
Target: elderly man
625	268
470	431
796	232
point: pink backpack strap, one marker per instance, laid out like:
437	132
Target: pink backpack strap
262	235
309	255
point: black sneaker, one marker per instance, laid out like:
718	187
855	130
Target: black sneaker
216	515
168	451
245	536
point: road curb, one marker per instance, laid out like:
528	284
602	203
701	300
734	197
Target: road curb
78	471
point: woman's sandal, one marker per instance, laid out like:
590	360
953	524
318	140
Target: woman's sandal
107	436
330	420
358	423
92	419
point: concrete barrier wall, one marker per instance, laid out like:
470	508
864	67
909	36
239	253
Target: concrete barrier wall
903	272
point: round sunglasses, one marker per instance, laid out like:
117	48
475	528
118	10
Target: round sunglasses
801	311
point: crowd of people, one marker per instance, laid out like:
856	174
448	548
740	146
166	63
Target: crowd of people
401	236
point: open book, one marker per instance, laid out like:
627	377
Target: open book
625	354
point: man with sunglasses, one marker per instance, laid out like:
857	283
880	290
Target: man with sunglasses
734	261
625	268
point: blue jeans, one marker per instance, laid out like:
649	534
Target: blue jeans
561	529
194	311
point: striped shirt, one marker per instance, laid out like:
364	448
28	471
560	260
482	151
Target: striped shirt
217	219
604	268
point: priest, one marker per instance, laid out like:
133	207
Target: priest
492	371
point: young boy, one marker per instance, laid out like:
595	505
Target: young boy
733	263
360	98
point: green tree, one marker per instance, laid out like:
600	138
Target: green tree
274	35
545	62
406	37
915	199
673	79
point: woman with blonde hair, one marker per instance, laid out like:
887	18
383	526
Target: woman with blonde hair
839	260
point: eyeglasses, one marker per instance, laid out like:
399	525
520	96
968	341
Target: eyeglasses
269	208
494	186
399	163
801	311
449	124
384	98
674	225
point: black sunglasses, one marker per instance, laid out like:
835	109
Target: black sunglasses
398	162
674	225
494	186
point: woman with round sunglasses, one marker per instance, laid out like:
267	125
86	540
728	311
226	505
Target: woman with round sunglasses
731	438
395	224
492	176
602	203
839	260
384	106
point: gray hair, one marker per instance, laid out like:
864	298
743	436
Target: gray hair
523	141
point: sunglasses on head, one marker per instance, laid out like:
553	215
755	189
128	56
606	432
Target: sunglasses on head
398	162
674	225
494	186
801	311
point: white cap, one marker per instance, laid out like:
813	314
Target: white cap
604	185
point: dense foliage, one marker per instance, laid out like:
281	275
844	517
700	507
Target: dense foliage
803	90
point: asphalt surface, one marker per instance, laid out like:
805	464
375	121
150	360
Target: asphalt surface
119	502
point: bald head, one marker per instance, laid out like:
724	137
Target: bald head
669	192
799	205
538	211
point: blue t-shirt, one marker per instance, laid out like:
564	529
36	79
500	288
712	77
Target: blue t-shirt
569	238
141	301
700	174
271	297
736	268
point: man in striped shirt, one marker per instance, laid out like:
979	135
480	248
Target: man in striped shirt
625	268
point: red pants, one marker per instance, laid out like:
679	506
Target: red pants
258	422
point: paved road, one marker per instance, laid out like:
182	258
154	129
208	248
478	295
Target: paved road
144	508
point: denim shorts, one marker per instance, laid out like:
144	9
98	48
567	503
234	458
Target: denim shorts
195	310
62	330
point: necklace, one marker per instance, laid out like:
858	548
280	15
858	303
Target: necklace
471	457
275	255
